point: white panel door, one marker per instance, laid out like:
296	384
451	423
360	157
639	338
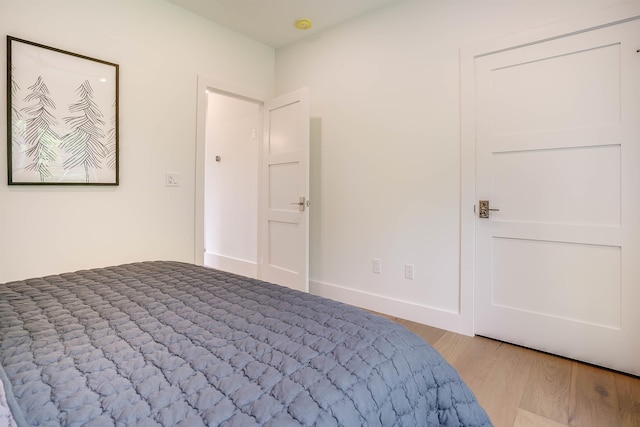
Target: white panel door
558	153
284	225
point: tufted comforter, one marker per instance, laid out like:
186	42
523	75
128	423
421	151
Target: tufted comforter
173	344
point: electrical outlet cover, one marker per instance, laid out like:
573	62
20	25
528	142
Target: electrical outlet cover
408	271
377	266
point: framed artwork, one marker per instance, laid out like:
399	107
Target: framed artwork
62	124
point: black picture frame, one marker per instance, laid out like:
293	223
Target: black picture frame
62	117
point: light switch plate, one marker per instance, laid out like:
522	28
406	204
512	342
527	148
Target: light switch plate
172	179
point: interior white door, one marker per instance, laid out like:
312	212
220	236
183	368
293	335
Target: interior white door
284	225
558	153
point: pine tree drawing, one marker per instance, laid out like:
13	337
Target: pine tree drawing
15	88
16	124
111	142
40	140
84	142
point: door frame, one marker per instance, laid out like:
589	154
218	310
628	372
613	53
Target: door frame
607	17
205	85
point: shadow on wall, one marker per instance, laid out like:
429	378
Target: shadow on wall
315	190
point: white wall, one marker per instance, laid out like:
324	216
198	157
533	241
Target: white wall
161	50
385	102
385	140
231	196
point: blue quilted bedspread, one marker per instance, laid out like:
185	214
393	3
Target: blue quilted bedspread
173	344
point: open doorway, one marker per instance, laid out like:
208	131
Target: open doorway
231	183
252	184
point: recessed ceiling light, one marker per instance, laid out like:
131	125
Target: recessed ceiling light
304	24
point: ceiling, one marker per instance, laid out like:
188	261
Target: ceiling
272	21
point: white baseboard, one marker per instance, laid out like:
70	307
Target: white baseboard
231	265
437	318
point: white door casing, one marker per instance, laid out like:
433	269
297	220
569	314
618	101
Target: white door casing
284	222
205	86
557	150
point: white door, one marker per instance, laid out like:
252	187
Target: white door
284	224
558	153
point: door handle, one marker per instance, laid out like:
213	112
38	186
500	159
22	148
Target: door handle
300	203
484	209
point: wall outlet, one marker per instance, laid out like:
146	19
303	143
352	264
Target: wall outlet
408	271
377	266
172	179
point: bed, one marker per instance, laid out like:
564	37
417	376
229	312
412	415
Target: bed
175	344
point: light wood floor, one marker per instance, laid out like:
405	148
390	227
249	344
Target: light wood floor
519	387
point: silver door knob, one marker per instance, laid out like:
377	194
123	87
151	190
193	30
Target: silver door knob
300	203
484	209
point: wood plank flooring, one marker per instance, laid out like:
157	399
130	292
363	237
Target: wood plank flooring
519	387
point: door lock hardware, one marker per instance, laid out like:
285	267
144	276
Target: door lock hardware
484	209
300	203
